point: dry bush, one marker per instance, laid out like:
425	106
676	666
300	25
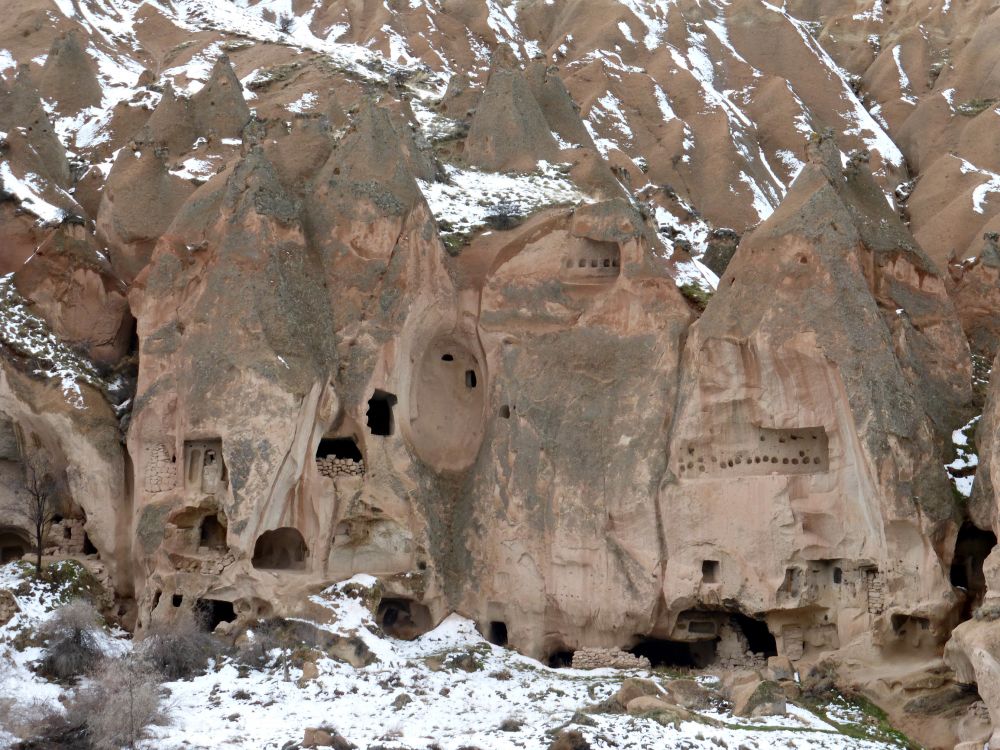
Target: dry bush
268	635
73	646
40	726
179	650
122	702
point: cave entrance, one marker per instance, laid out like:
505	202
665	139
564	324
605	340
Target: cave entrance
664	653
972	547
342	447
214	612
14	545
497	634
403	618
380	421
280	549
212	533
759	638
88	546
559	659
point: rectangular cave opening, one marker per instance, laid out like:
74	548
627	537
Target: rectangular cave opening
380	419
666	653
497	634
710	571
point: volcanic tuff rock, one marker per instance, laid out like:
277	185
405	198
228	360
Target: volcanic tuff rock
418	292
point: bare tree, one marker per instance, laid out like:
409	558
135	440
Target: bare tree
35	505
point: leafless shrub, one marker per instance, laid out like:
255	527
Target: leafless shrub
285	23
179	650
270	634
73	647
35	505
121	704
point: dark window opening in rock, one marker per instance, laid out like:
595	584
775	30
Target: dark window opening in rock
582	263
447	358
498	633
710	571
57	518
339	448
971	549
759	638
559	659
470	378
505	411
13	545
88	546
212	534
664	653
403	618
67	532
177	600
156	599
214	612
380	420
280	549
904	625
838	575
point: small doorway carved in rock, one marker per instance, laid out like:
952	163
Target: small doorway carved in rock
380	419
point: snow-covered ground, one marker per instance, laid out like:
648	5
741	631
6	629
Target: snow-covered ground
470	196
448	689
29	334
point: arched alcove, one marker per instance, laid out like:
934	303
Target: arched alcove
403	618
14	544
280	549
447	402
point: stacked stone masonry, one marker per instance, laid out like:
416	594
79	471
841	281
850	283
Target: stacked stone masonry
340	467
608	658
161	468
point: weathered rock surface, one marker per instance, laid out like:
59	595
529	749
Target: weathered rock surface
375	333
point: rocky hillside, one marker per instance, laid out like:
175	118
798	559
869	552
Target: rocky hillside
657	326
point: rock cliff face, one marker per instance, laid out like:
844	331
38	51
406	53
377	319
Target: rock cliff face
424	298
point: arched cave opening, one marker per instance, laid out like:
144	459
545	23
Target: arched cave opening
342	447
759	638
560	658
280	549
212	533
213	612
88	546
14	545
972	547
497	633
665	653
403	618
380	421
